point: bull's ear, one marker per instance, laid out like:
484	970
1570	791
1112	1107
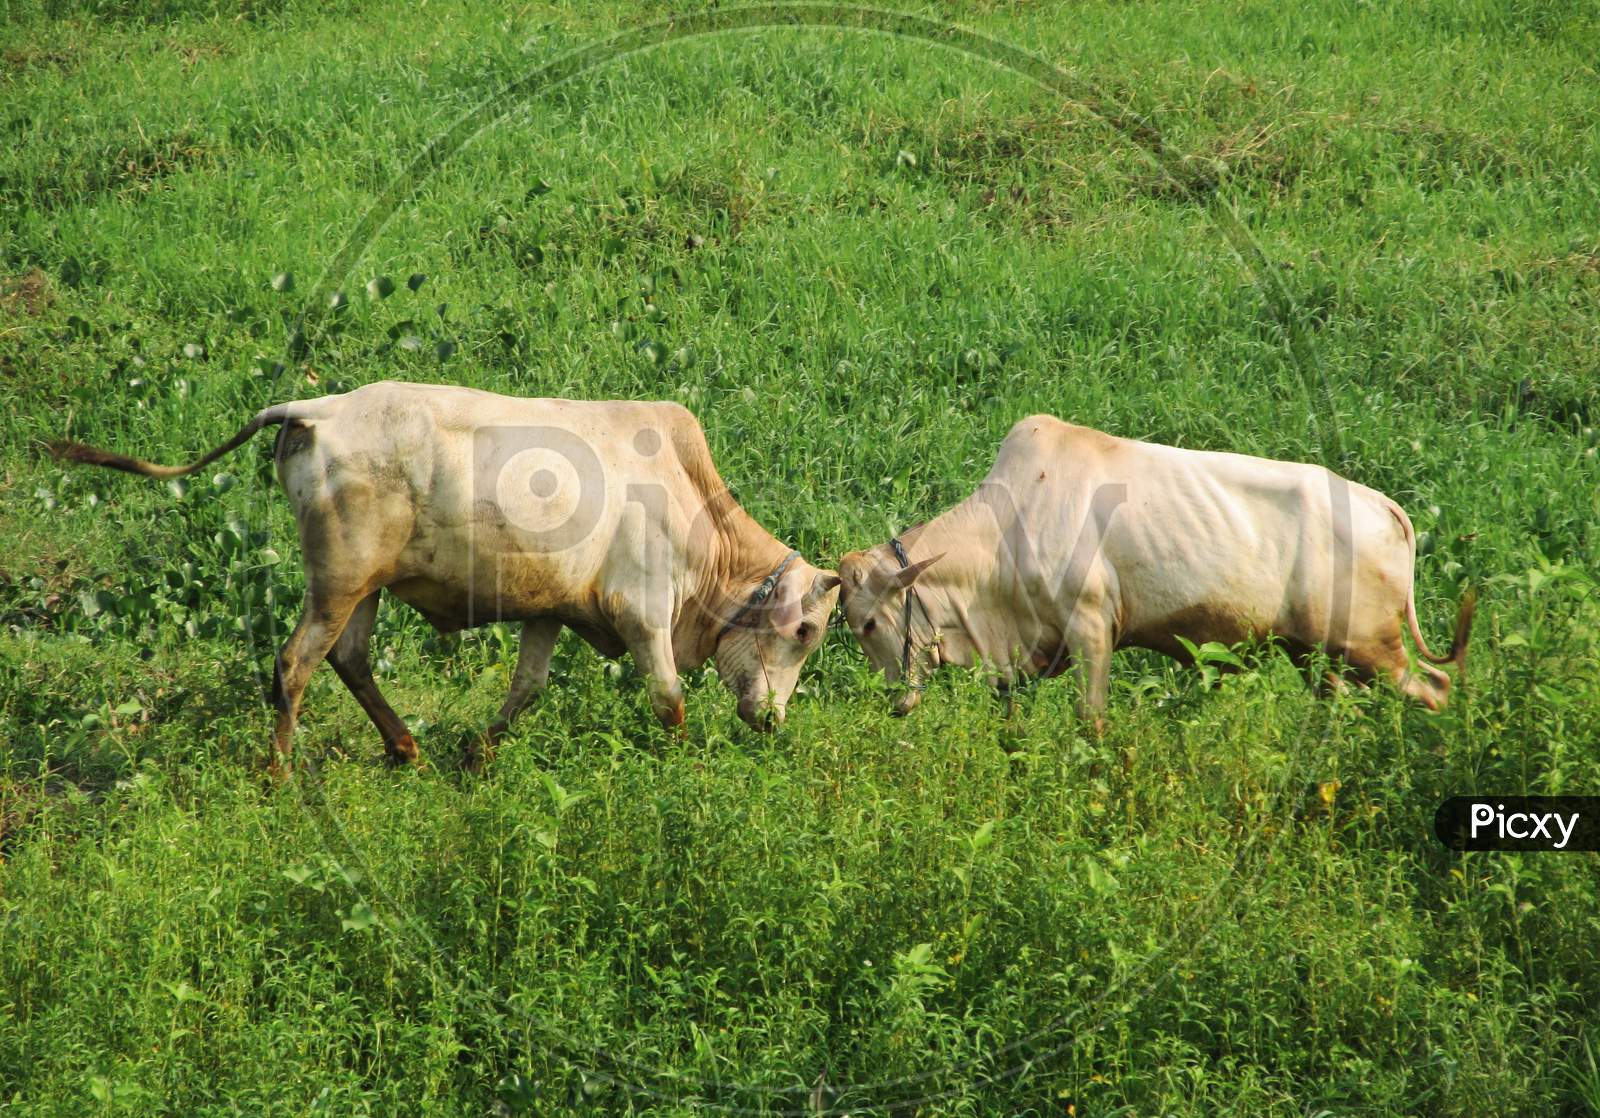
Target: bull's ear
786	606
908	575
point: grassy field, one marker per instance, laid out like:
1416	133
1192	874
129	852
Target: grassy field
858	259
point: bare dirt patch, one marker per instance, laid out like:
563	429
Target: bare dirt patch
27	295
18	61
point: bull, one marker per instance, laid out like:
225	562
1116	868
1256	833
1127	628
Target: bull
1077	543
604	517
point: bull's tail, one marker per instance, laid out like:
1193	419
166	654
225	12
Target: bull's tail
1458	643
77	452
1469	604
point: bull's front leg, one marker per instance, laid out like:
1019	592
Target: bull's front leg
652	653
1090	643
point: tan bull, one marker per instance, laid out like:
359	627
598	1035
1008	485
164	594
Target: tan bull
1078	543
605	517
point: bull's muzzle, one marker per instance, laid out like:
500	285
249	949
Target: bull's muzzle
908	702
759	714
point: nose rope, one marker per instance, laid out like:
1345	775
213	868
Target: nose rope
766	676
911	596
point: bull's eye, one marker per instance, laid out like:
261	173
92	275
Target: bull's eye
872	623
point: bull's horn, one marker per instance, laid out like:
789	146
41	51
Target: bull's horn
824	582
907	575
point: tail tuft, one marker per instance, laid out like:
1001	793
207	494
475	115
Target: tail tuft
1458	644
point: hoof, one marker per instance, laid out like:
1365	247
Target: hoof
480	748
672	718
402	752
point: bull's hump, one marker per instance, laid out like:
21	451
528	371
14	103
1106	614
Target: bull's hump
1044	449
1046	434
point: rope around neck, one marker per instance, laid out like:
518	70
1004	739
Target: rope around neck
759	595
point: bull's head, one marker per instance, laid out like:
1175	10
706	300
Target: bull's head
899	641
760	658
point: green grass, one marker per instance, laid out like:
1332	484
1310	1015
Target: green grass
1231	904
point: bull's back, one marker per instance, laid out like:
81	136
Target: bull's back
1213	545
503	506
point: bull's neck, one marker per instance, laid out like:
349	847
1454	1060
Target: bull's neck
746	552
738	554
964	591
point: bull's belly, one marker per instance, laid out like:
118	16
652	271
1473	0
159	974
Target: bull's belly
449	607
466	595
1200	622
461	578
1225	590
1302	617
1049	657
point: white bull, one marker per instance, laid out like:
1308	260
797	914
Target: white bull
1078	543
605	517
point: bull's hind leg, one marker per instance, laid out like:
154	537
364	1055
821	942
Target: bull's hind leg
1331	683
1428	685
321	622
1386	657
353	528
351	659
529	679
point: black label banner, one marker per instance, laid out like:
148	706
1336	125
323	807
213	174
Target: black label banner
1557	823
